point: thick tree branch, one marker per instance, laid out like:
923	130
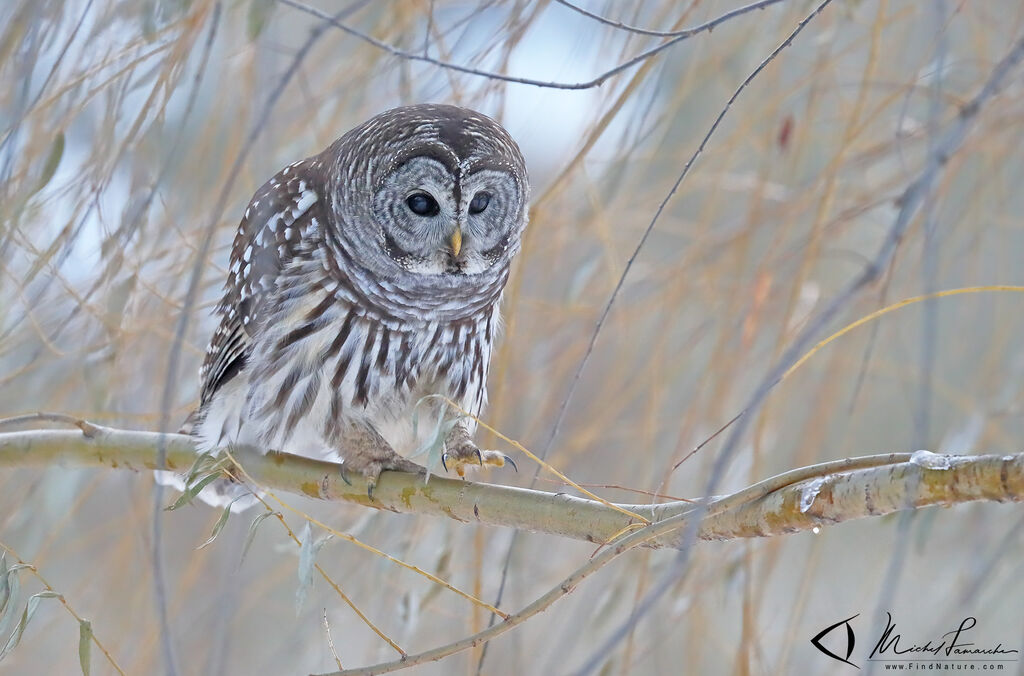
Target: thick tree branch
794	501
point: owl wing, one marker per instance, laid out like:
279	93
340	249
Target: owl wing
277	222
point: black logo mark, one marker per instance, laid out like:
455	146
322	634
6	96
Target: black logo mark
850	641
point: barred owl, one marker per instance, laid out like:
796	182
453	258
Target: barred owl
361	280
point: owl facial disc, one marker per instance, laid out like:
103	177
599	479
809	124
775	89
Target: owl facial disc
448	195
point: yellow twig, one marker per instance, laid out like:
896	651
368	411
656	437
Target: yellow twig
349	538
327	578
892	308
544	464
330	641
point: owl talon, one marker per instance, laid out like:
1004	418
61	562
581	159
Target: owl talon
344	476
468	455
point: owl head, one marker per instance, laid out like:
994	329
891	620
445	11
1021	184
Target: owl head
432	191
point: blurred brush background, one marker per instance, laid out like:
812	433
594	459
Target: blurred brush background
132	130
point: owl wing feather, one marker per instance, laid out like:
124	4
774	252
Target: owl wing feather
277	221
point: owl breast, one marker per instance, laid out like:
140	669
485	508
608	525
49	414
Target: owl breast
323	361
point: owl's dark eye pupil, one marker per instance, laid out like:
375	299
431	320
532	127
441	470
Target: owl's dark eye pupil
422	204
479	202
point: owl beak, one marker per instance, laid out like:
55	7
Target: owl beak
456	241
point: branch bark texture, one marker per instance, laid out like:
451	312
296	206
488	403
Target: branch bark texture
798	500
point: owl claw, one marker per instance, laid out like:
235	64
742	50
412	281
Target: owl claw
462	452
511	462
344	476
458	461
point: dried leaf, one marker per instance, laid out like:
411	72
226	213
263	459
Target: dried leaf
13	587
84	645
259	15
192	491
52	162
210	467
307	558
8	593
251	535
433	446
26	617
205	463
219	526
305	567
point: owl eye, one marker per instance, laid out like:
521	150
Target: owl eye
422	204
479	202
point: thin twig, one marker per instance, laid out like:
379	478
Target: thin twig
563	407
63	602
588	84
686	32
909	203
541	463
574	383
18	420
13	129
126	231
334	585
362	545
929	327
618	487
330	641
166	404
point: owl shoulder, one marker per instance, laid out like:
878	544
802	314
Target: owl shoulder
277	224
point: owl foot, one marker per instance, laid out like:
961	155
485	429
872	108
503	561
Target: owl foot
366	452
460	452
372	468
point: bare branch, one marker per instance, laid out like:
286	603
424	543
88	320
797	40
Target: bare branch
677	37
802	499
750	512
686	32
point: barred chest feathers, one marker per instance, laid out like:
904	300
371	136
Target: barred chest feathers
340	365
